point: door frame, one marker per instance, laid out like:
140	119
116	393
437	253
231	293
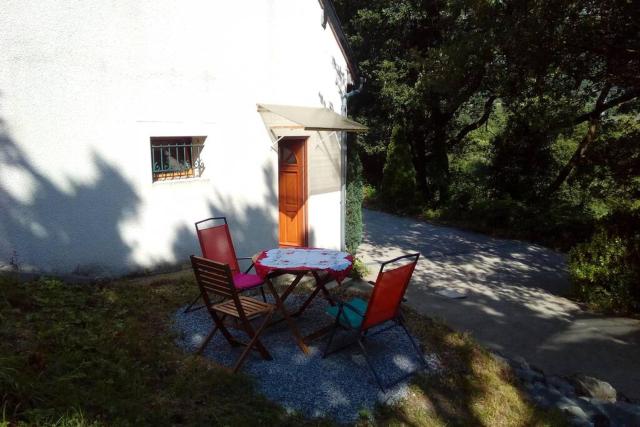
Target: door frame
305	194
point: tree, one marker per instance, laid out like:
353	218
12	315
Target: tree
398	188
440	66
583	54
559	157
425	62
522	159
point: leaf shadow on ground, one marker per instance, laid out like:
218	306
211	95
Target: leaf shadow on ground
515	302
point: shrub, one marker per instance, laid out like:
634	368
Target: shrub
398	189
359	269
355	196
559	225
433	214
605	271
370	194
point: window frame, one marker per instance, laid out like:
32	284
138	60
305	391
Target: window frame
175	158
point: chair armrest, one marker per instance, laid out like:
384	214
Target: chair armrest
371	282
243	257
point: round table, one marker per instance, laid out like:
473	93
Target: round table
337	264
325	265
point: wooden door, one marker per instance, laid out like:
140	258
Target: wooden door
292	192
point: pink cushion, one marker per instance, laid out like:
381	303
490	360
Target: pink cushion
246	281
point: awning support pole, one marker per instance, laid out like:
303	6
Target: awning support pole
274	146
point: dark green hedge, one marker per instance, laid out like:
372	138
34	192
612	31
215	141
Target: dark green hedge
355	196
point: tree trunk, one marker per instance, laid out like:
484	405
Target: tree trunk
488	106
592	130
440	165
577	157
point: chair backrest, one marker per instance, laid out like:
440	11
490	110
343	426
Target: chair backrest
388	290
215	242
214	279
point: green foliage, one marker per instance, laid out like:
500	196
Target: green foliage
398	190
521	118
605	271
559	226
355	197
428	65
522	161
359	270
609	179
370	193
436	66
470	166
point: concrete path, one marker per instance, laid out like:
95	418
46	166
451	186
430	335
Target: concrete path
514	300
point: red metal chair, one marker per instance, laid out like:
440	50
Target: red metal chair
216	244
384	306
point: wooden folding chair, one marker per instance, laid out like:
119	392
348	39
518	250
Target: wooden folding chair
215	279
216	244
384	306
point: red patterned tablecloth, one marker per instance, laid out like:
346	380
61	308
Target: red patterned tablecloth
336	263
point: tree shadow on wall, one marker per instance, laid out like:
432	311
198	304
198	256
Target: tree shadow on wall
77	228
61	231
253	227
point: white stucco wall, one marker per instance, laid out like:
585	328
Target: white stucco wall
84	85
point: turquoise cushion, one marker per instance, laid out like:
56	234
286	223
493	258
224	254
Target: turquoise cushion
350	317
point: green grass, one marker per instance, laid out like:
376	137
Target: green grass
103	354
92	355
474	389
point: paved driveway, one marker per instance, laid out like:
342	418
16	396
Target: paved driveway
514	302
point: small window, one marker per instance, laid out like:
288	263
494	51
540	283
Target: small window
287	157
176	157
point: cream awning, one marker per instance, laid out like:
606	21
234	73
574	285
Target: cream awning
306	118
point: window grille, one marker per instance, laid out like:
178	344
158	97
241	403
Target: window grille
176	158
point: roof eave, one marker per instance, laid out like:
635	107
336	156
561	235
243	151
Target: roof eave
336	27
